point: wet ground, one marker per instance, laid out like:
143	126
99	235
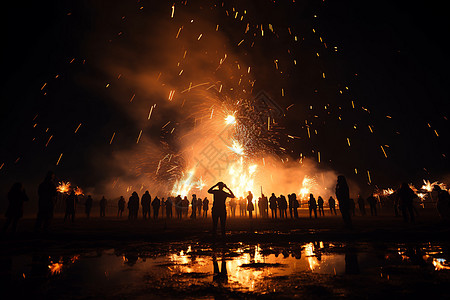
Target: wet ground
260	258
316	270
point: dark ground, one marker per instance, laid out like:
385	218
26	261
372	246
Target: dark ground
119	259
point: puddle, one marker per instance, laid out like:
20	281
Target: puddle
322	269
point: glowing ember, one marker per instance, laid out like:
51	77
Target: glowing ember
55	268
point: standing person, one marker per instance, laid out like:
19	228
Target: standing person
205	207
295	204
121	206
291	205
185	205
103	207
361	205
320	205
199	207
156	203
273	205
47	194
343	197
16	198
178	207
71	201
265	206
373	205
406	196
352	207
133	206
332	205
194	206
88	206
169	204
242	207
312	206
233	205
219	209
250	206
283	206
443	202
145	203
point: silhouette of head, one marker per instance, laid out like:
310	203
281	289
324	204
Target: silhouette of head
341	179
220	185
50	176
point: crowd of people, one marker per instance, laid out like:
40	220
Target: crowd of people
198	207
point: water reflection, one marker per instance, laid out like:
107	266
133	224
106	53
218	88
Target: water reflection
247	268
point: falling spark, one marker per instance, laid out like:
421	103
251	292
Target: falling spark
139	136
112	138
76	130
173	11
57	163
384	152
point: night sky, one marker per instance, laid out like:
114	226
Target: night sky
388	58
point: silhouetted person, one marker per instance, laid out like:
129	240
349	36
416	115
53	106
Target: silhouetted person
372	204
250	206
199	207
295	204
233	205
194	207
352	207
406	196
121	206
156	204
205	207
320	206
343	197
16	198
145	203
361	205
332	205
133	206
283	206
242	207
443	202
47	193
71	201
103	202
265	206
178	207
88	206
169	205
185	206
219	209
291	205
312	206
273	205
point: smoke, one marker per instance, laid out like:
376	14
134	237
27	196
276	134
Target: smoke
174	83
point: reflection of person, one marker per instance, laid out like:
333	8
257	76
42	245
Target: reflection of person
222	275
219	209
351	261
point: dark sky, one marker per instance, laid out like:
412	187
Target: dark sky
390	55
